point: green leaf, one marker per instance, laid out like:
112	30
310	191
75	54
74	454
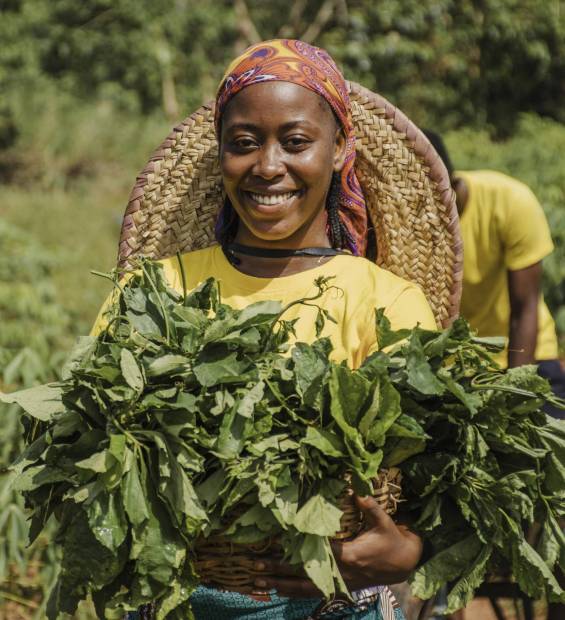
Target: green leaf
131	371
177	489
471	400
349	391
405	438
41	402
250	399
548	546
107	520
167	365
257	313
157	545
209	490
419	372
232	434
132	492
258	517
318	516
445	566
530	571
316	556
310	367
84	348
382	412
473	576
99	462
219	371
325	441
386	337
86	564
286	502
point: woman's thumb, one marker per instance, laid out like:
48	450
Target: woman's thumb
374	514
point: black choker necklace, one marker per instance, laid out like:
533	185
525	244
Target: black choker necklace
249	250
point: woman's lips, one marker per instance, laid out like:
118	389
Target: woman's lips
273	202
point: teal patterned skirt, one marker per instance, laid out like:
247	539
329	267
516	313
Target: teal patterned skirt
212	604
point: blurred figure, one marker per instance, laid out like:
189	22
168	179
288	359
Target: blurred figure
505	238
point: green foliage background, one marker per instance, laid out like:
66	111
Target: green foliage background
89	89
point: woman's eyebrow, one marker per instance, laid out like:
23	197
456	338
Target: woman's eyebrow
303	122
242	126
246	126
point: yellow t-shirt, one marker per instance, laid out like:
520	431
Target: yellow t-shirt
363	288
503	229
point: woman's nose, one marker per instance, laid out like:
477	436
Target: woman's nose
270	162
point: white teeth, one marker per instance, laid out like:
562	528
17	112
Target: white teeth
271	199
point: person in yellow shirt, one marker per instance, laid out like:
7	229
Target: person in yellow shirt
295	211
505	239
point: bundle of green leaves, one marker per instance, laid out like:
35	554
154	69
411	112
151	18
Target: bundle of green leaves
184	411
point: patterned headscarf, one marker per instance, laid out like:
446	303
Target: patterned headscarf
313	68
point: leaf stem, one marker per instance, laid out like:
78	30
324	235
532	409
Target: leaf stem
18	599
182	275
322	285
108	276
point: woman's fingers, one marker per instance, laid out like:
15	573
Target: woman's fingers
378	524
375	515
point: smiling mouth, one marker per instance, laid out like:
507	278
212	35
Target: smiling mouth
270	200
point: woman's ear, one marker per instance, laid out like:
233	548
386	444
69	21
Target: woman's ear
339	150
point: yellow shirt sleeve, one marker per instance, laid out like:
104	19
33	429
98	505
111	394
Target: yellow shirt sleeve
409	309
524	230
101	321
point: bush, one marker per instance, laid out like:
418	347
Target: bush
36	330
448	62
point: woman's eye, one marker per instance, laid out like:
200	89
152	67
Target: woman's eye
297	142
244	144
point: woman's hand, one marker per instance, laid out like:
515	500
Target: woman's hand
383	554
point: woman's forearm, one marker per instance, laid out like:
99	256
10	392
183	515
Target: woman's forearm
523	335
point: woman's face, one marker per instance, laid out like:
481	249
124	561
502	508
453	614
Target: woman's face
280	144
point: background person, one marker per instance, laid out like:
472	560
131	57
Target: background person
505	238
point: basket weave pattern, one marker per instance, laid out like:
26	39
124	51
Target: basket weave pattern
233	566
174	203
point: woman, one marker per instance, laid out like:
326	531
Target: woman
295	211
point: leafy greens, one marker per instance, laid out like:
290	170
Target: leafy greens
184	412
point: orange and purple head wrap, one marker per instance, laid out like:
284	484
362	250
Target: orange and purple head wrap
313	68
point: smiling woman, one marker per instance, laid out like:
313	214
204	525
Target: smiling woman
279	147
293	210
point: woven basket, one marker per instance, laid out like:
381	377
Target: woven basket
174	203
233	566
